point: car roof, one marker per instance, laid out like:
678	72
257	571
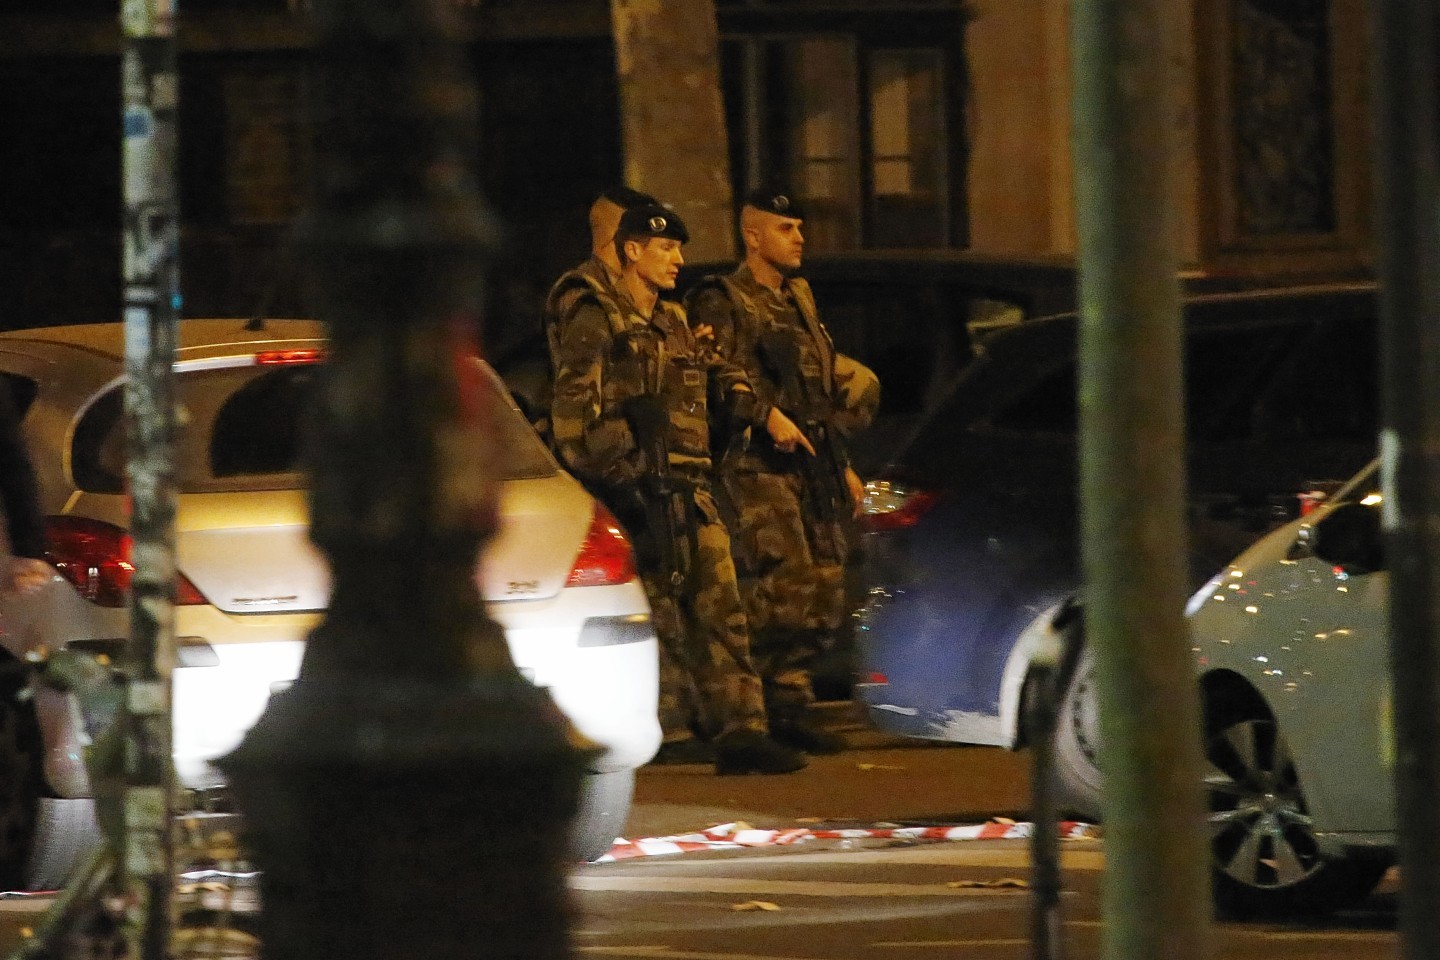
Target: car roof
1044	284
195	338
1345	291
1057	265
1050	276
1051	280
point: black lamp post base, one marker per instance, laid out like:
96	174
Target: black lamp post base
399	814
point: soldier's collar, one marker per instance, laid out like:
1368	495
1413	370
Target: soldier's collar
746	276
658	314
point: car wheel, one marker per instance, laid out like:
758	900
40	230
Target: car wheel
66	834
604	808
20	774
1265	858
1077	743
42	839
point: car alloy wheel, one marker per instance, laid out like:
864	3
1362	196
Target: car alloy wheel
1265	858
1084	707
1077	743
1262	834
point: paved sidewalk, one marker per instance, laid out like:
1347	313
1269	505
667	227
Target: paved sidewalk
878	779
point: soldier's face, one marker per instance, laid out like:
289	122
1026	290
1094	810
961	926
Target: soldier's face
658	262
779	241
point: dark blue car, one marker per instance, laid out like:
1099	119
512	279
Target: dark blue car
972	543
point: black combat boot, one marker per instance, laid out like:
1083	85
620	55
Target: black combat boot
792	727
680	752
749	751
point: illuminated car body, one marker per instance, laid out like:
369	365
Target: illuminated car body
1292	645
251	585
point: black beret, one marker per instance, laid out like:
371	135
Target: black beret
625	198
651	220
775	201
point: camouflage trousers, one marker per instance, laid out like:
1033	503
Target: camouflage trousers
794	602
707	680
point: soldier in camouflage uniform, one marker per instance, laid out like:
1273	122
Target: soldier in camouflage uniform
789	551
629	371
598	274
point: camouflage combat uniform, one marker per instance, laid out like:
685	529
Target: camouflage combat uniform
607	354
791	563
592	276
566	293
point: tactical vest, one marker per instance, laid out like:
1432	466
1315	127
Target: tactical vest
566	294
660	356
684	388
753	317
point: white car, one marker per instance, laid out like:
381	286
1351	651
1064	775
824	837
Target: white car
559	577
1291	651
1292	645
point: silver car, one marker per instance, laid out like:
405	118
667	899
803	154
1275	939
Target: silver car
1292	644
1291	649
559	577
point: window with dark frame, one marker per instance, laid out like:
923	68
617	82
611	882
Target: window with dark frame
860	128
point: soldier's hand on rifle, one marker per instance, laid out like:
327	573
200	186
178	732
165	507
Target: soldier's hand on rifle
785	434
857	490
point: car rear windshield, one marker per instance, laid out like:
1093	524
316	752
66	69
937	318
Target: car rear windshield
243	428
913	338
1255	379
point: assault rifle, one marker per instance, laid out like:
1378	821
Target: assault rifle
658	501
825	488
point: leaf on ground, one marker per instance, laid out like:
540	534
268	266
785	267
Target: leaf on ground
755	905
1000	883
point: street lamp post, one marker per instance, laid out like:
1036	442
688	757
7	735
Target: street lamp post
409	796
1406	55
137	802
1132	480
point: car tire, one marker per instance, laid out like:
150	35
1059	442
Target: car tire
43	839
1077	743
1265	858
604	808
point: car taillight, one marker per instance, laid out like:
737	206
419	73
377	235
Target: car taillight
95	557
890	505
605	558
1310	500
287	358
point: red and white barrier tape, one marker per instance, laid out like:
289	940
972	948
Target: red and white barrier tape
730	836
735	835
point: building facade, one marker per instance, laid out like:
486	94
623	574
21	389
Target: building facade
905	123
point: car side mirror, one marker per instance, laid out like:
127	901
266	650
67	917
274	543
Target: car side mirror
1350	537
